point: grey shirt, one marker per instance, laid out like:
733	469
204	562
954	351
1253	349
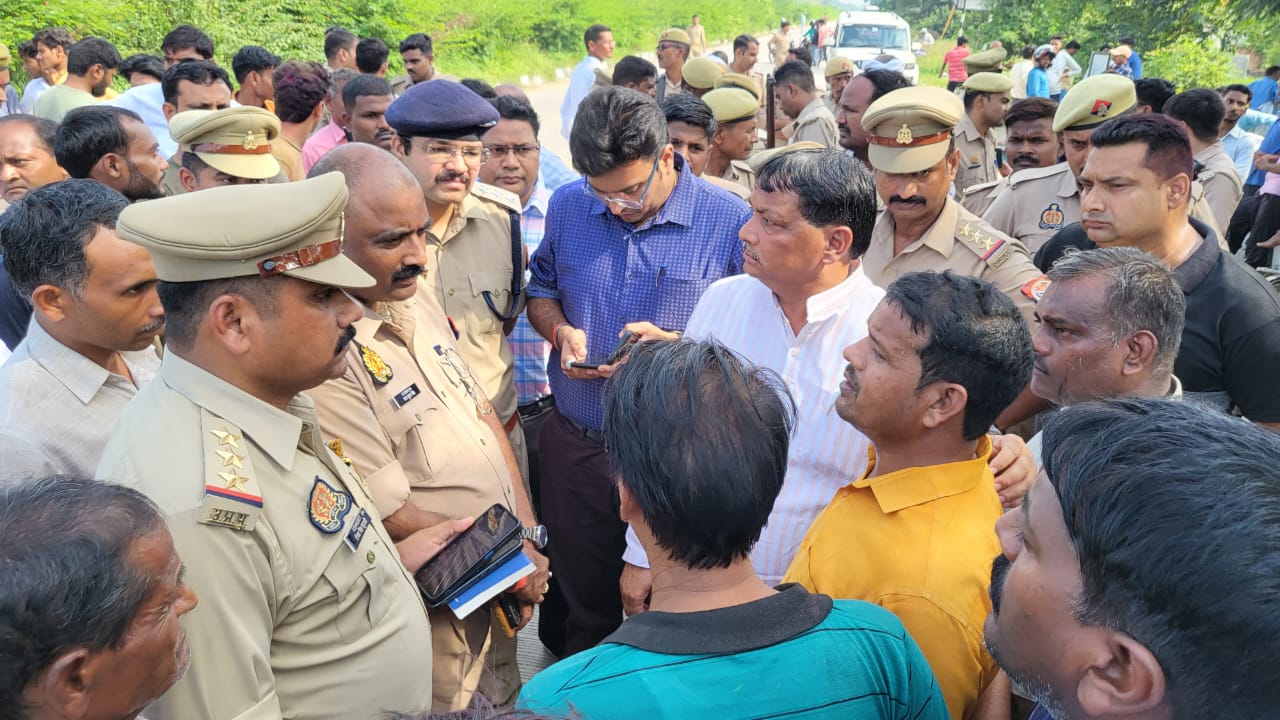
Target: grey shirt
58	407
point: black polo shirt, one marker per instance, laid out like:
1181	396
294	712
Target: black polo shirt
1230	354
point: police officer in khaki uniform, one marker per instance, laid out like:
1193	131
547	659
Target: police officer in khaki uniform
910	132
673	53
986	100
838	73
731	144
700	75
412	418
474	248
307	608
231	146
798	98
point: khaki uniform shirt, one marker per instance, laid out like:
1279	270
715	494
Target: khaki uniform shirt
172	181
740	173
305	608
977	198
472	258
736	188
960	242
977	155
779	44
1222	186
697	40
407	413
816	124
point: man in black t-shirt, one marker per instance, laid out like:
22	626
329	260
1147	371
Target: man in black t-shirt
1135	188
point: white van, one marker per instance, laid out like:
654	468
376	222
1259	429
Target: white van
864	35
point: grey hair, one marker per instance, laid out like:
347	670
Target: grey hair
1142	294
337	79
65	578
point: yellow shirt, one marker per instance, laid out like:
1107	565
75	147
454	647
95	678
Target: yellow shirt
918	542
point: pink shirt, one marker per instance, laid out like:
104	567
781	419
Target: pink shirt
321	141
954	59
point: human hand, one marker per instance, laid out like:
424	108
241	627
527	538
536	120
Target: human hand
1014	467
635	584
534	589
419	547
573	348
644	331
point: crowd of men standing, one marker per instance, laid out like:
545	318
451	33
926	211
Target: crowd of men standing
765	411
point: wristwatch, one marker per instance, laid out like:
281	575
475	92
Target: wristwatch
536	534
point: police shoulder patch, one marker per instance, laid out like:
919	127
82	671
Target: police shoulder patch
1035	289
991	248
232	498
328	506
508	200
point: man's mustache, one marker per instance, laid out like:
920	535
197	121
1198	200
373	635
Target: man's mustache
347	336
914	200
999	572
406	272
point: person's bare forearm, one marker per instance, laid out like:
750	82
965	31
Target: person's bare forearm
409	519
544	315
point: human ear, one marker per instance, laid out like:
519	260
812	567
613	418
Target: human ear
1128	682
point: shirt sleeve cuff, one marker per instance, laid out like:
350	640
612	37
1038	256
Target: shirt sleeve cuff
389	486
634	554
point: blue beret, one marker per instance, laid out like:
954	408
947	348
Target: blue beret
441	109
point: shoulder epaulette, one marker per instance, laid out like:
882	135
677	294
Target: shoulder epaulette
991	247
1037	173
232	497
506	199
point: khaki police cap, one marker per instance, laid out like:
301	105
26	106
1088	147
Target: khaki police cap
988	82
837	65
675	35
909	130
1095	100
236	140
5	57
759	159
731	104
290	229
986	61
741	81
702	73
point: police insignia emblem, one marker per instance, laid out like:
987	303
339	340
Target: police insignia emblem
1052	217
1035	289
378	369
250	141
1101	108
328	506
904	135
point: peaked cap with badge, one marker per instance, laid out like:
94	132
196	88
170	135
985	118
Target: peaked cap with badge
731	104
702	73
910	129
1095	100
837	66
234	140
441	109
675	35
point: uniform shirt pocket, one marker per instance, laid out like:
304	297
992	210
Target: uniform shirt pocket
498	285
356	587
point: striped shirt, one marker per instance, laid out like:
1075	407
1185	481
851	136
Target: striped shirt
529	350
826	452
606	272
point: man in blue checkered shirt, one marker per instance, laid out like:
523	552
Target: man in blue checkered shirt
629	247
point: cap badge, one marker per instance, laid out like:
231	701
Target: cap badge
1101	108
904	135
250	141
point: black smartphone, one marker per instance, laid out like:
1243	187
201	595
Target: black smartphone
507	610
493	536
624	345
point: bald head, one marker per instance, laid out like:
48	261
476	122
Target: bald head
360	163
515	91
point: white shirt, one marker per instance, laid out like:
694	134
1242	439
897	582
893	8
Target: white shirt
1061	61
30	94
580	83
826	452
1018	74
148	101
58	407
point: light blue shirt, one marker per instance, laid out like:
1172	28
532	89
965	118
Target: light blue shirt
584	76
1240	146
148	101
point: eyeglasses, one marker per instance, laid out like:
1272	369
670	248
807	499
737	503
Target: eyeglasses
524	152
668	46
624	203
445	153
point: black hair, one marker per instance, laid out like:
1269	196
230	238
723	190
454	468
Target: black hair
615	126
699	437
252	58
300	87
142	63
1172	512
186	303
66	581
1072	45
1168	149
371	54
337	38
43	234
799	55
743	42
884	82
196	72
28	49
690	110
1028	51
361	86
1154	92
593	34
46	130
795	73
1201	109
1237	87
88	133
89	52
833	189
479	87
633	70
52	37
417	41
962	41
1030	110
975	338
514	108
188	36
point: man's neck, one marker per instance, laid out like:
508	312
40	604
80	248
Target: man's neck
926	450
1197	146
1227	126
733	67
794	299
248	98
979	123
79	82
678	589
717	163
55	76
231	371
1176	243
905	233
110	360
441	217
674	74
296	133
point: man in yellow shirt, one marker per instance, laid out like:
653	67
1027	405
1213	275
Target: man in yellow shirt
944	354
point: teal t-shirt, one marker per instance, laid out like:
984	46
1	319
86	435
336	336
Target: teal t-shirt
795	655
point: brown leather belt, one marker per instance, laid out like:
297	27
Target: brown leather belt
511	424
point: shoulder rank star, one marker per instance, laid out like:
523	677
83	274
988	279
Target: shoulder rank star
373	362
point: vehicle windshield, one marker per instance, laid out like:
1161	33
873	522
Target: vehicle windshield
872	36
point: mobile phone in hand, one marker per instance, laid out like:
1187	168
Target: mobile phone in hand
621	349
